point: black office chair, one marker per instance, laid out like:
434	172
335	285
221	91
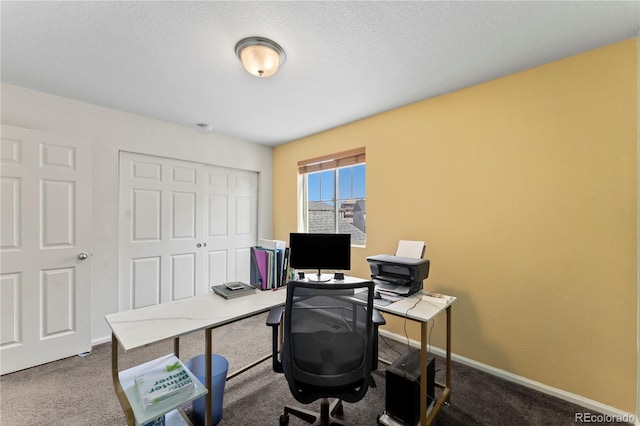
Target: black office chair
327	346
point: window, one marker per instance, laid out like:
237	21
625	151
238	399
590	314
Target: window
333	196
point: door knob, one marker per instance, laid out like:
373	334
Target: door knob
198	245
83	256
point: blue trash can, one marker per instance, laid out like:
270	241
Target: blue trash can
219	368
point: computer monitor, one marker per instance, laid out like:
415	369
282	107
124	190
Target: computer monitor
319	251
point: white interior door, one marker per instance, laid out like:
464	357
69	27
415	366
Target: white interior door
167	250
45	238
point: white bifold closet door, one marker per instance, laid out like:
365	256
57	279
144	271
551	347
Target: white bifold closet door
184	226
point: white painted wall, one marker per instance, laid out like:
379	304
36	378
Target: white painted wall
111	131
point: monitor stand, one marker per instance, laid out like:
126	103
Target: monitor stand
318	278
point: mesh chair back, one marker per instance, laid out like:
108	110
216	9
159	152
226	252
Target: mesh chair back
328	341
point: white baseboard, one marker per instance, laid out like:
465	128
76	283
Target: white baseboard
523	381
100	341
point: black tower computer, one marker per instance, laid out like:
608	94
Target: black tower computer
402	396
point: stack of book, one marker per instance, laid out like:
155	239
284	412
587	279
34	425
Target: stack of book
233	289
165	380
269	264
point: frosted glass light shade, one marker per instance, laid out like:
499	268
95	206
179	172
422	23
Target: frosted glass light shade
259	56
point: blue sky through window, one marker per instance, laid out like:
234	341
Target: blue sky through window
351	183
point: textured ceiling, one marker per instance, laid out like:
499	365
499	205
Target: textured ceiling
175	61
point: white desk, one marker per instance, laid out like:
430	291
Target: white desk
423	311
139	327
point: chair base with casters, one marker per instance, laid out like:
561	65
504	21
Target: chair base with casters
324	418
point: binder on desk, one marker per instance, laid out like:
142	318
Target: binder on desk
271	267
269	264
279	248
258	276
285	267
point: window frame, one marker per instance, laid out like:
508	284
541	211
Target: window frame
334	162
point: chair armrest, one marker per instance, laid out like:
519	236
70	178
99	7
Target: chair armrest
378	319
273	320
275	316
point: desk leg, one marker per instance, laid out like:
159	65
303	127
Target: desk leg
208	379
124	401
446	392
423	372
448	373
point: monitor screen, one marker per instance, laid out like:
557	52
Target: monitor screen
320	251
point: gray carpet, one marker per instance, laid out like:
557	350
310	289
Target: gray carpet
78	391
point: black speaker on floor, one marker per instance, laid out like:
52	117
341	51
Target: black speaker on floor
402	396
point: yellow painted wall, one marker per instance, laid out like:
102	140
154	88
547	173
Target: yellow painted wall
524	189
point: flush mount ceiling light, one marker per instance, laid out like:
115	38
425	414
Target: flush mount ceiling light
260	56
